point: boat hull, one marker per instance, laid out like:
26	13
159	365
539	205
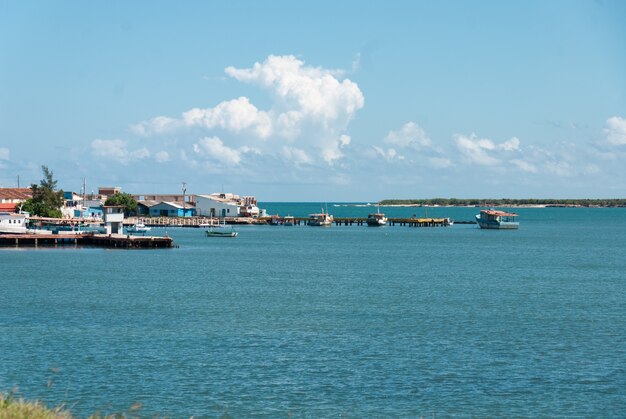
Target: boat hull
497	225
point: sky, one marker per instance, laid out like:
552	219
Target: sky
341	101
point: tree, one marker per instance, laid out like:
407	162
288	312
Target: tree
125	200
46	202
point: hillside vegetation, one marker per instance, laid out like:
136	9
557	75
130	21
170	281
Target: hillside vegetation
506	202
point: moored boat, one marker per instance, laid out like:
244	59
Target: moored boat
497	220
12	223
289	220
138	228
322	219
376	219
221	232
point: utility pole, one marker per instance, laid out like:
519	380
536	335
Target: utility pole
184	190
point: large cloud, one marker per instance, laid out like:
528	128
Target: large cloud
308	119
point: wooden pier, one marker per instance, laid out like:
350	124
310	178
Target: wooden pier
360	221
85	239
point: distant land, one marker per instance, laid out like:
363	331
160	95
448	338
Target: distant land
504	202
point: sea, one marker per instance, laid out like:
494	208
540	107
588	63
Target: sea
346	321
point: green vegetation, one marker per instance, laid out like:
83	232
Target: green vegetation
125	200
505	202
14	408
46	200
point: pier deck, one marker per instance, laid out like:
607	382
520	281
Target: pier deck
85	239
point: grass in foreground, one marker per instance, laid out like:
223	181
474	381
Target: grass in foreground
17	408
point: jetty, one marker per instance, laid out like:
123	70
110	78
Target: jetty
85	239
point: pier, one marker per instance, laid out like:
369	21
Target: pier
85	239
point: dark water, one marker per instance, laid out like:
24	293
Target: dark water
313	322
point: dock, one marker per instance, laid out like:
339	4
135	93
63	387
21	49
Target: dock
85	239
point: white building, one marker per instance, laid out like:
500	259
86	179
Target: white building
218	205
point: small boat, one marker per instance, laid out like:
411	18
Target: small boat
138	228
376	219
12	223
289	220
322	219
275	220
221	232
497	220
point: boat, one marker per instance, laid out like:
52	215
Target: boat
289	220
138	228
376	219
323	219
220	230
12	223
275	220
497	220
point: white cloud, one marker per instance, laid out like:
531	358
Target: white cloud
510	145
483	151
4	153
214	149
559	168
296	155
390	154
162	157
117	150
475	149
311	110
615	129
234	115
524	165
410	135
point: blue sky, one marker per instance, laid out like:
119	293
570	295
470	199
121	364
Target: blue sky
317	101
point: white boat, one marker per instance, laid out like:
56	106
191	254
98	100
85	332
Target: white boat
139	228
289	220
323	219
376	219
12	223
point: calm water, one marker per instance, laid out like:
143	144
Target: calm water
352	321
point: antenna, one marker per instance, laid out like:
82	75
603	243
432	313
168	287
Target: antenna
184	190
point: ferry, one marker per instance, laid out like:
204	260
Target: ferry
12	223
320	220
498	220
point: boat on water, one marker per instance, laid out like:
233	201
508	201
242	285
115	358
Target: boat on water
12	223
221	232
138	228
322	219
376	219
497	220
289	220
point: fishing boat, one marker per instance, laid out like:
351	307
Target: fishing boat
497	220
138	228
289	220
322	219
12	223
376	219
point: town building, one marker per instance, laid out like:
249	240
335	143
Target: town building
11	197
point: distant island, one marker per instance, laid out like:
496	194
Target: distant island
504	202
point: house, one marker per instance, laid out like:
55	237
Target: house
166	209
218	205
10	197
